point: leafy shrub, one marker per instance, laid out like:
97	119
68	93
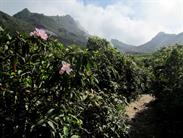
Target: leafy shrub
168	87
36	100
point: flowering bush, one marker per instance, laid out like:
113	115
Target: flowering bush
39	33
48	90
65	68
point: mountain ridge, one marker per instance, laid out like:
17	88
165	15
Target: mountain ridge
159	41
65	27
67	30
10	23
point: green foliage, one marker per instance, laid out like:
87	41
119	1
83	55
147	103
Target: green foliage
168	71
37	101
96	43
168	87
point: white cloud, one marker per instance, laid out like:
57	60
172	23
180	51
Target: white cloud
133	21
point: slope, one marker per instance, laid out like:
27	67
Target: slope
13	24
159	41
64	27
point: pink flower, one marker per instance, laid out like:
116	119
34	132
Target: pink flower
39	33
65	68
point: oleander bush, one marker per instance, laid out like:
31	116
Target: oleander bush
48	90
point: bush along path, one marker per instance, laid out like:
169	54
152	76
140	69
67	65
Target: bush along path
51	91
48	90
164	116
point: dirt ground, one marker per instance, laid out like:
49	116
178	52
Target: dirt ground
138	105
142	117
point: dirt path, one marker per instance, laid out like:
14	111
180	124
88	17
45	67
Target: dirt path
142	118
139	105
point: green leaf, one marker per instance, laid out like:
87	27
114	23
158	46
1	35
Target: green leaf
75	136
66	131
1	29
19	72
50	112
50	123
40	122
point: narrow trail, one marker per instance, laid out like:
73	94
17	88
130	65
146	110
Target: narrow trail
139	105
142	118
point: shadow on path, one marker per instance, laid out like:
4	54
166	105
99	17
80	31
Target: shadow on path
144	124
149	123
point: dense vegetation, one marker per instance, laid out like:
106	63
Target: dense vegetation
48	90
167	85
39	98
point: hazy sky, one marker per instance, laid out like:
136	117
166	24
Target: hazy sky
130	21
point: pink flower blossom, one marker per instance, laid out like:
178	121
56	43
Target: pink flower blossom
39	33
65	68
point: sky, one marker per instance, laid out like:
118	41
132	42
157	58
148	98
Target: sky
130	21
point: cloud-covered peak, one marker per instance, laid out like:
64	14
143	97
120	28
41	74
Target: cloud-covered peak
133	21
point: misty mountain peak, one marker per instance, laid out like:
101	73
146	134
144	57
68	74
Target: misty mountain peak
64	27
157	42
68	16
180	34
23	13
161	33
25	10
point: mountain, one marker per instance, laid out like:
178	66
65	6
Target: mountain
11	23
69	31
122	46
159	41
65	28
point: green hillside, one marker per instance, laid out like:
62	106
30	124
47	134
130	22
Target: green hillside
64	28
13	24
